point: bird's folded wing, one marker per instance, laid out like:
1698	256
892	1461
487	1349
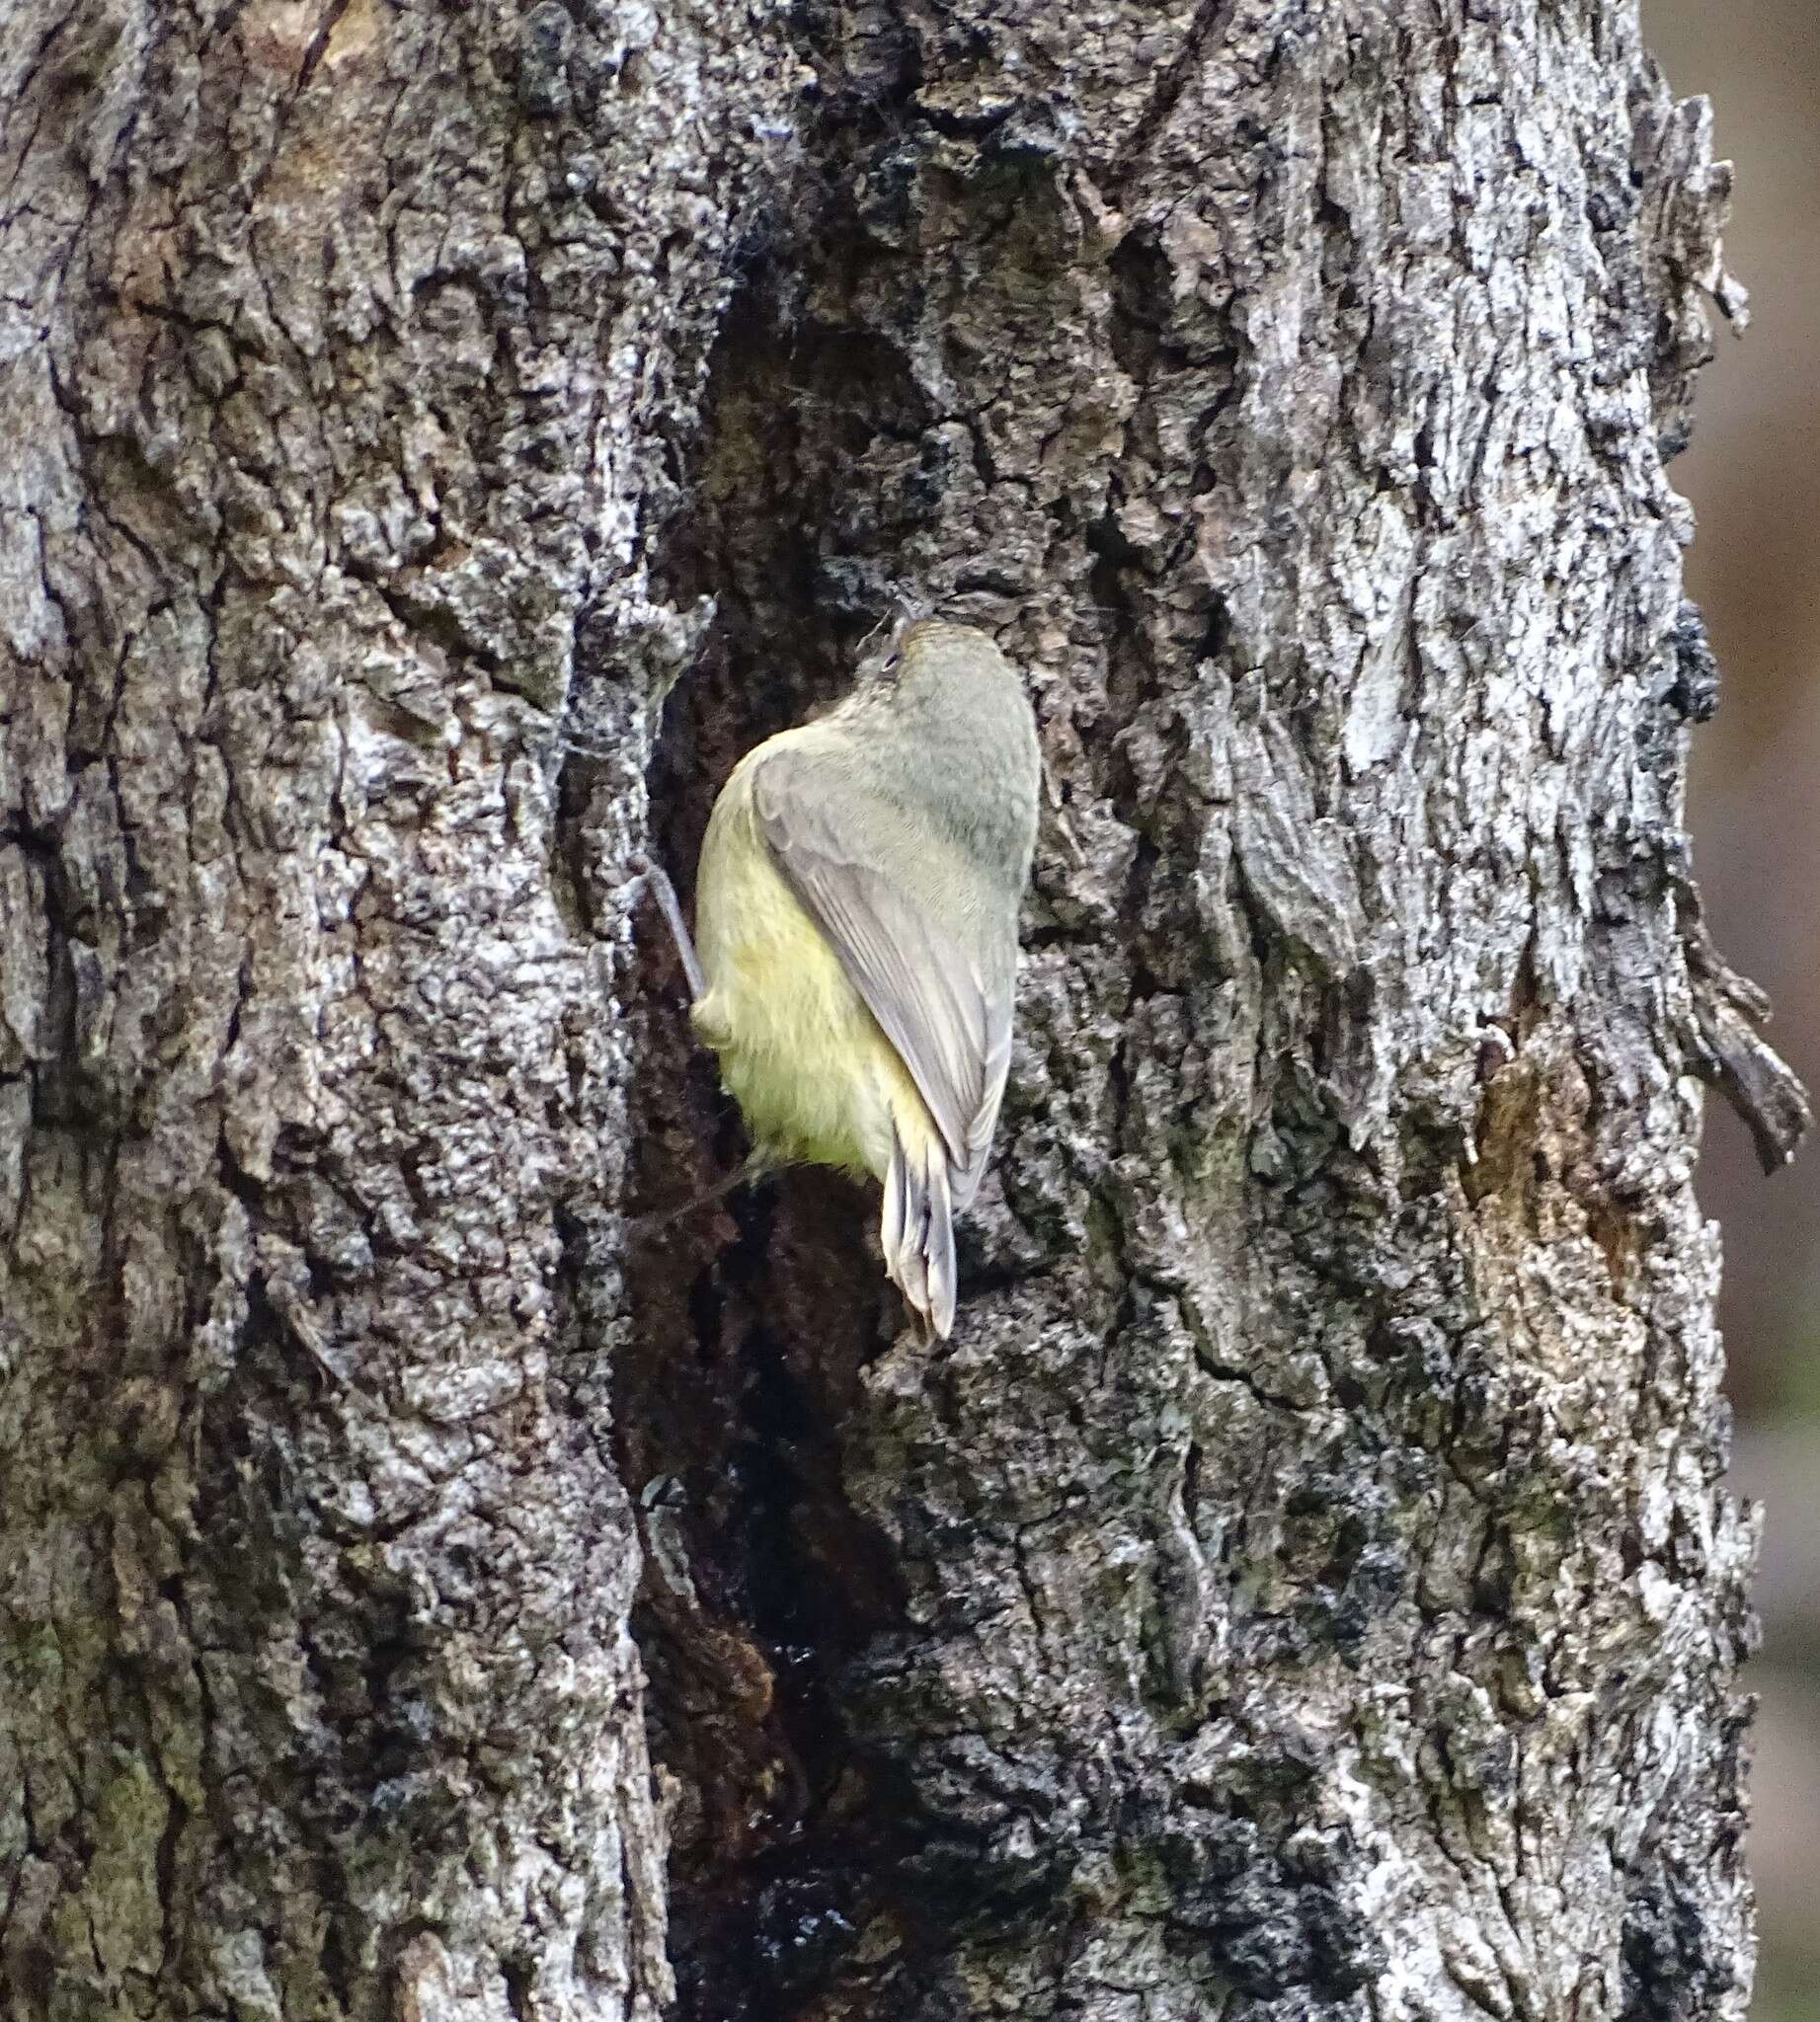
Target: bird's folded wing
919	941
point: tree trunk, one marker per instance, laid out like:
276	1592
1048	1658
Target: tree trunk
1305	1587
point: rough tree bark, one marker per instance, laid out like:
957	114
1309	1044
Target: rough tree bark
1304	1587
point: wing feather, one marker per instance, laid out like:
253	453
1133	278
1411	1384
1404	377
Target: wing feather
935	962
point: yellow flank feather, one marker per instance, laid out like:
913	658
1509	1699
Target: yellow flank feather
816	1078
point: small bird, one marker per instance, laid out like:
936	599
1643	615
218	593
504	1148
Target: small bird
857	904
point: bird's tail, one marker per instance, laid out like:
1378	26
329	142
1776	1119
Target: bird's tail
917	1227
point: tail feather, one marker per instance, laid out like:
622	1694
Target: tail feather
916	1230
895	1210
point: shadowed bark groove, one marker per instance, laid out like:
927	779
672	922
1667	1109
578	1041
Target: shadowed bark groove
1305	1587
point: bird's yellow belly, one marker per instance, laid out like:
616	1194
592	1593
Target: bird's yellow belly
799	1051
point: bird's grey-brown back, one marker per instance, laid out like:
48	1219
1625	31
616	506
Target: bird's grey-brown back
956	739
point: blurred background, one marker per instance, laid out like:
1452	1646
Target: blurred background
1753	474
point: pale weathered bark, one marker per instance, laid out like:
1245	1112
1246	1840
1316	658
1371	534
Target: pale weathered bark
1305	1587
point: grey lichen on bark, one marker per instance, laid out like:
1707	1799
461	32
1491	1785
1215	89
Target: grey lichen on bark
1306	1587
